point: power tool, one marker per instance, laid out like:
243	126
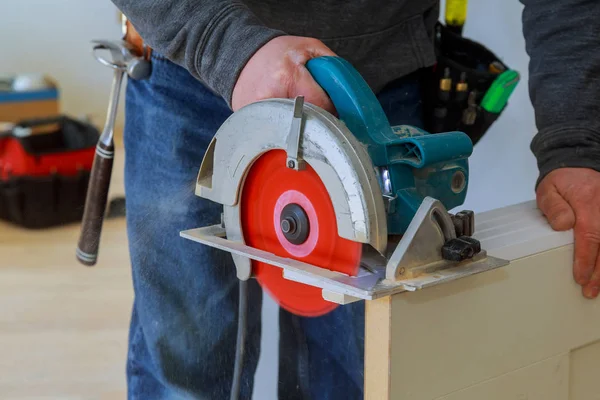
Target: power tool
327	209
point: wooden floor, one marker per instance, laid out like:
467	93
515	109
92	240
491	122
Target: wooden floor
63	326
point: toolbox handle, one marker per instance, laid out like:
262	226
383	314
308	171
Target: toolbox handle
352	98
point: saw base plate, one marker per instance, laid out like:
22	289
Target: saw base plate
368	284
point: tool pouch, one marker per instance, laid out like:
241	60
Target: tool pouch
467	58
44	171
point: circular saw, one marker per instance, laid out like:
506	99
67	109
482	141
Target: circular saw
325	210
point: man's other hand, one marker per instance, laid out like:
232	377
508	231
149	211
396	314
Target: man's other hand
570	199
278	70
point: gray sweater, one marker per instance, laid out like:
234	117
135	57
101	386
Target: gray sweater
386	39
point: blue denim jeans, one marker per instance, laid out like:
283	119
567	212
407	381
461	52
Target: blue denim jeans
184	318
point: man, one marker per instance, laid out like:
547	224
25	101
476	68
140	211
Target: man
211	56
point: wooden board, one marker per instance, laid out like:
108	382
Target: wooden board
520	332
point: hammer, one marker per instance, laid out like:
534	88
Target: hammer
122	60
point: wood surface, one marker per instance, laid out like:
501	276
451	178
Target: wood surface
521	332
95	204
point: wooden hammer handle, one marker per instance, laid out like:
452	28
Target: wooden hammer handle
95	204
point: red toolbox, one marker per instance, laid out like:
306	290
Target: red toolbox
44	175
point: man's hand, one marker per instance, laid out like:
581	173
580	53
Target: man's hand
277	70
570	199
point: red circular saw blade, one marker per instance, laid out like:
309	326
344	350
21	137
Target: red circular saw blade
270	186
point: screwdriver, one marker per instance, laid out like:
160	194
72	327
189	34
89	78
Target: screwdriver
496	67
470	114
461	88
445	86
456	15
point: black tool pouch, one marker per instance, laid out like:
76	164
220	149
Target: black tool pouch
469	59
37	202
44	176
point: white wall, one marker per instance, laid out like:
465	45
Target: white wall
53	37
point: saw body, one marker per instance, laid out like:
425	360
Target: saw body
313	204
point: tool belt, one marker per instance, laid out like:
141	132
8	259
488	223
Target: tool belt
44	175
468	88
131	36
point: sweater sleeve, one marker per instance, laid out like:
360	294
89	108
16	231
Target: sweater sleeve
212	39
563	41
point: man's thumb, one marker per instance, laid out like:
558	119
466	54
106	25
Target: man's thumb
559	213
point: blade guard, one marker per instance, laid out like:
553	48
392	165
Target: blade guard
327	145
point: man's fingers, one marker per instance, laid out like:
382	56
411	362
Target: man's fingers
319	50
592	289
580	188
277	70
306	86
561	217
559	213
587	244
319	98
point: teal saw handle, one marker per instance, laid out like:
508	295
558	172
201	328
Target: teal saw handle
353	99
